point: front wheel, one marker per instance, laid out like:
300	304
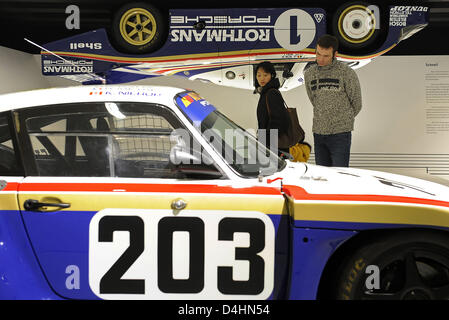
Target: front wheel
409	265
138	28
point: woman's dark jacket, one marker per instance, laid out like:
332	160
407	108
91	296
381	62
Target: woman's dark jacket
278	117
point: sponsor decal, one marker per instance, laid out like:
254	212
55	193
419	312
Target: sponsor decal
86	45
124	91
408	9
189	98
195	107
318	17
99	92
68	66
293	30
399	14
220	35
219	19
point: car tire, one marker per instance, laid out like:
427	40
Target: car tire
138	28
412	265
357	25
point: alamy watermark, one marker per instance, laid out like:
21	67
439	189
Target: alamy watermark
373	280
73	21
235	146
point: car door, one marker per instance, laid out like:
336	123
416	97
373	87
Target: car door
109	218
20	274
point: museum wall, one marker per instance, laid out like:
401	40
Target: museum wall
403	126
19	71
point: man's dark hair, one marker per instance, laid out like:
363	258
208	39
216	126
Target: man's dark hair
327	41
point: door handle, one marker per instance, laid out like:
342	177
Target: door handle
35	205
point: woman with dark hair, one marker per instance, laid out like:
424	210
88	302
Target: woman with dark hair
271	111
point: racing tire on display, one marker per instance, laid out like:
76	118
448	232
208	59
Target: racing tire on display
138	28
413	265
358	25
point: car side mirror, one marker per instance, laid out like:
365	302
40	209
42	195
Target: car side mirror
193	164
179	156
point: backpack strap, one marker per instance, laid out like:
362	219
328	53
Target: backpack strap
268	106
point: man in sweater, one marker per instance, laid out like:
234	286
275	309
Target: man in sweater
334	91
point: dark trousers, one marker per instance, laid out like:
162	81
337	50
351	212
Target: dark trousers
332	150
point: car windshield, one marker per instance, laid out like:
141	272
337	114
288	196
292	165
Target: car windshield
238	147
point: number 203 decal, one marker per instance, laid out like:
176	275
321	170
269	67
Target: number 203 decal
154	254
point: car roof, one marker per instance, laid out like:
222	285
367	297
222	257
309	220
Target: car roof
89	93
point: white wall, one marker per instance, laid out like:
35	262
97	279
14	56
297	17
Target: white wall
19	71
395	130
405	118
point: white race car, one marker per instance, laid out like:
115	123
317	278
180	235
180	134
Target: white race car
121	192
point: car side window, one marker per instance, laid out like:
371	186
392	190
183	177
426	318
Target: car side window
112	139
9	164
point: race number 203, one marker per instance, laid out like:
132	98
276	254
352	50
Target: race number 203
154	254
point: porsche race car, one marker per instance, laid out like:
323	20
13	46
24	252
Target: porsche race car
150	192
224	45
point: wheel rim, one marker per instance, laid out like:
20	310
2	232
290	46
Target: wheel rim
356	24
137	26
416	274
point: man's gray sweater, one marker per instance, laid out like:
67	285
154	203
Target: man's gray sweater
334	91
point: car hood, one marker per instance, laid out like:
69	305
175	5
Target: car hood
313	179
356	199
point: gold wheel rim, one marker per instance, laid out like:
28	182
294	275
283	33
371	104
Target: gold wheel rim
138	26
343	15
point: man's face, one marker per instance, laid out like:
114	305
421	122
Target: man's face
324	56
